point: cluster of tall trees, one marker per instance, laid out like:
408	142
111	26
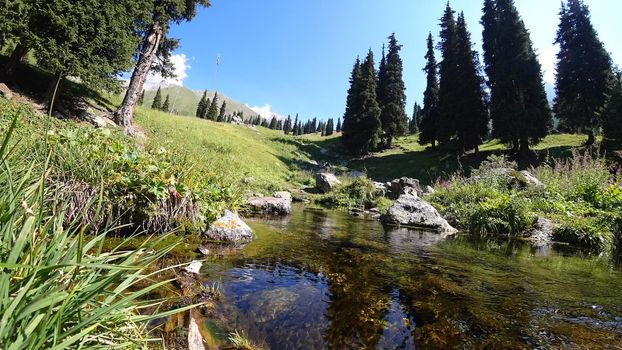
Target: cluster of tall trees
296	127
456	106
376	102
211	109
95	41
157	101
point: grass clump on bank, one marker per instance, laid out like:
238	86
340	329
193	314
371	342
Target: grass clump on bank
358	193
58	288
579	195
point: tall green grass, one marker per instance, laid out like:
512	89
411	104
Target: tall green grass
59	289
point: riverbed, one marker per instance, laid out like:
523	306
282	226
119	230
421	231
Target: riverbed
325	280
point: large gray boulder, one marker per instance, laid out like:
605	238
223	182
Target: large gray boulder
279	204
326	182
230	228
542	233
411	211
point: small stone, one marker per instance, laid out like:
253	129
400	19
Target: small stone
204	250
230	228
194	267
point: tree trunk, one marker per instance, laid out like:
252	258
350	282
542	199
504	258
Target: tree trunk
125	113
591	139
389	143
16	57
53	92
524	146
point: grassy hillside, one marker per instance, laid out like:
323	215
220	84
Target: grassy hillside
244	157
185	101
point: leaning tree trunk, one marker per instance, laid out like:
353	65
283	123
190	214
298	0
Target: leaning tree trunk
125	113
16	57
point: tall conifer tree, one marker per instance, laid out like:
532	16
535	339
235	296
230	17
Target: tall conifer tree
223	110
392	95
518	105
157	100
450	85
166	106
202	105
350	117
430	113
212	112
583	71
612	114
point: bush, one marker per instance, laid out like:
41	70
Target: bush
356	194
588	232
502	214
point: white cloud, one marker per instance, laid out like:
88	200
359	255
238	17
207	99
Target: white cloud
266	112
548	60
181	67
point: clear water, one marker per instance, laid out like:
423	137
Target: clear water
325	280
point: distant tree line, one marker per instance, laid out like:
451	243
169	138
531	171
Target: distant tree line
465	102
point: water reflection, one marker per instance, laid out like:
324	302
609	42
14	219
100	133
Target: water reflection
326	280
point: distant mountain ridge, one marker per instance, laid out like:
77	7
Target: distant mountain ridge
185	101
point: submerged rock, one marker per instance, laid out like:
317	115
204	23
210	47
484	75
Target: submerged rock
194	267
279	204
269	305
412	211
326	182
230	228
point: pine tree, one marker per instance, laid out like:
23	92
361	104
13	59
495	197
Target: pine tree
392	96
273	123
166	106
364	122
612	114
212	112
518	104
413	124
208	103
287	127
330	127
141	101
296	126
450	86
350	117
430	114
338	129
472	124
583	71
157	100
223	110
202	105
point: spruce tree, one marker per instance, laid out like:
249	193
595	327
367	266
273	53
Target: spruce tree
212	112
392	97
612	114
450	85
338	128
518	105
350	117
413	124
430	113
157	100
287	127
208	103
330	127
223	110
472	123
583	71
202	105
296	126
273	123
366	127
166	106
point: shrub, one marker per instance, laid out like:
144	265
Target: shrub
356	194
588	232
502	214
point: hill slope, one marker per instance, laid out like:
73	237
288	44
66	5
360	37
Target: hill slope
185	101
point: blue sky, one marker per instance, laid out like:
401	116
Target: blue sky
296	55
